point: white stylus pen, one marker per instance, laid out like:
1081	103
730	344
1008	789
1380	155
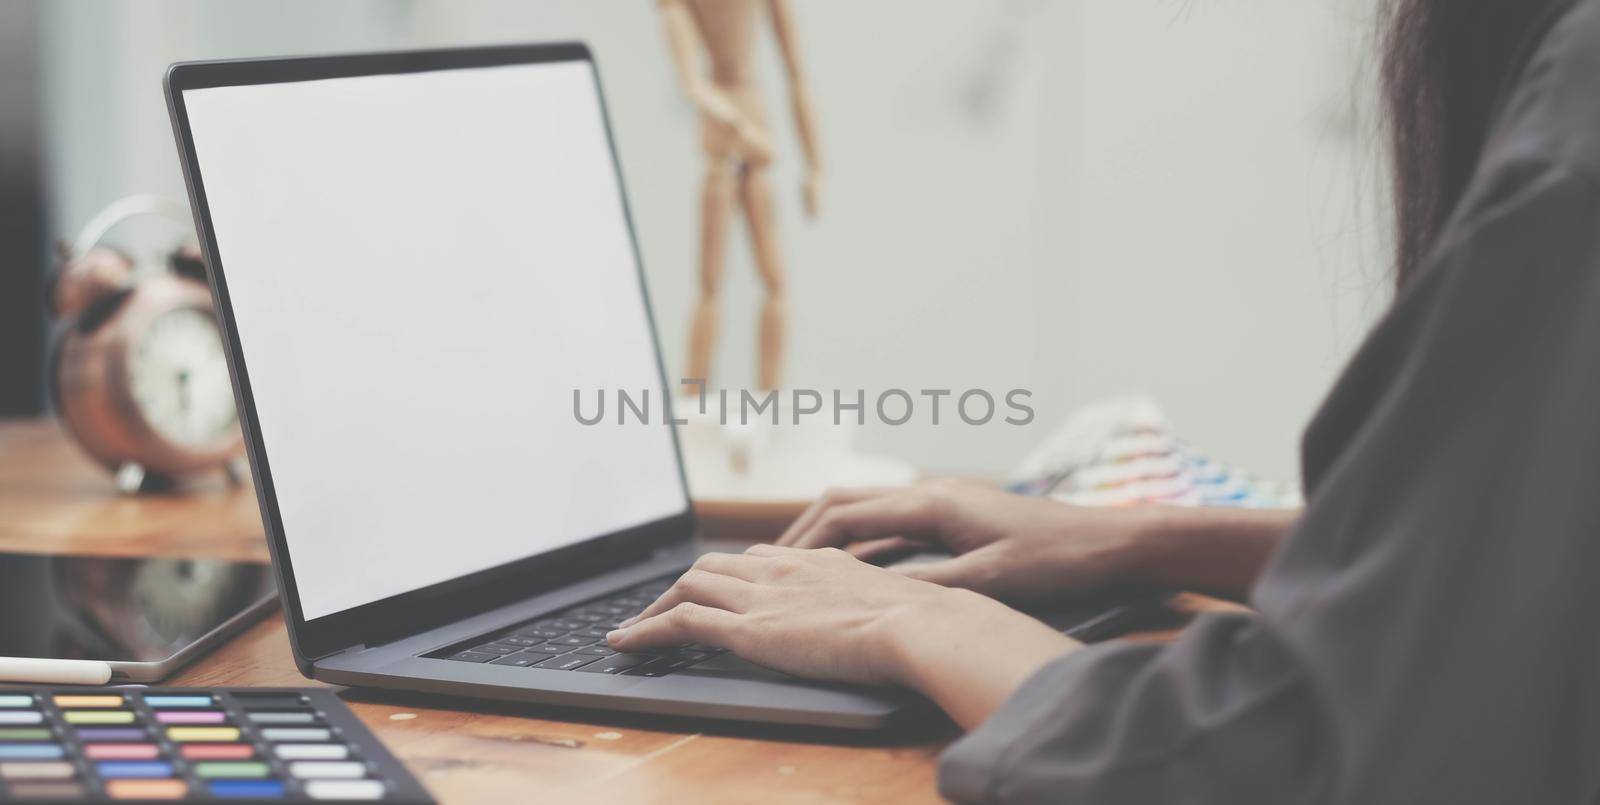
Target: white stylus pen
54	672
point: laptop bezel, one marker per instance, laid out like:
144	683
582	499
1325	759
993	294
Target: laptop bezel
457	598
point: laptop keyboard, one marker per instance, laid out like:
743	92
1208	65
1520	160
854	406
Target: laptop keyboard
575	640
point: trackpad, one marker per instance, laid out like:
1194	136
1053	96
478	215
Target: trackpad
728	665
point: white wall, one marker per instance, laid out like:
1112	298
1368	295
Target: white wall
1157	197
1223	246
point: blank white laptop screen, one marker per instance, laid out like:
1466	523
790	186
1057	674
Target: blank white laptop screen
423	267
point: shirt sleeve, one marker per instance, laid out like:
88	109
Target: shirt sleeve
1427	633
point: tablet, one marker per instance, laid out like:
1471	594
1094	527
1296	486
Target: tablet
76	619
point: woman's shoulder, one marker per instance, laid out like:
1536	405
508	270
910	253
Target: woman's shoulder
1549	113
1546	123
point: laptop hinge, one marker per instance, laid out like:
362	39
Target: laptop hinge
345	650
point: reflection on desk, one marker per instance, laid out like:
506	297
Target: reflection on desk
120	609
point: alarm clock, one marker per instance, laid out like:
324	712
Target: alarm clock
137	370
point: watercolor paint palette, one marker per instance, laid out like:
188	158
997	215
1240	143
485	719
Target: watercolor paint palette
192	744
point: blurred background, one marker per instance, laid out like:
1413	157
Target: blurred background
1081	198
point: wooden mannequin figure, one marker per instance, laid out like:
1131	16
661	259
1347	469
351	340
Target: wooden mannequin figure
738	153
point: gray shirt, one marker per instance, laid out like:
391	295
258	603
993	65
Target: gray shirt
1428	632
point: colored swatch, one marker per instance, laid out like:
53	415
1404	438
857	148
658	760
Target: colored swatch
97	716
159	702
150	745
90	701
128	751
191	717
182	734
217	751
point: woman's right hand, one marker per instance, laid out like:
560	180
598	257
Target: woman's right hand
1006	546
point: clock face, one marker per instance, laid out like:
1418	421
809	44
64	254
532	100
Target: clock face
179	378
182	599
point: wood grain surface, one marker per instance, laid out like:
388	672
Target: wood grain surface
55	500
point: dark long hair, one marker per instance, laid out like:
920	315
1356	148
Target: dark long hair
1444	63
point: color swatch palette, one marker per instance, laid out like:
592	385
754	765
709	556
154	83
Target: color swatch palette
1124	452
154	744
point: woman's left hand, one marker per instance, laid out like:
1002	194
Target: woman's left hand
826	615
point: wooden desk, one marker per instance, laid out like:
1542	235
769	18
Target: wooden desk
52	500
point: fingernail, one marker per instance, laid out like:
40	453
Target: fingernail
614	634
626	623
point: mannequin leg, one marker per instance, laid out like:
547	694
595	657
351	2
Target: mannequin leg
755	196
716	201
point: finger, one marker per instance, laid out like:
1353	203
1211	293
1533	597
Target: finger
802	522
745	566
777	563
764	550
832	497
874	550
967	570
700	587
904	514
684	623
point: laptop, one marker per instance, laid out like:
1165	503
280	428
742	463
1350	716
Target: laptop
420	261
